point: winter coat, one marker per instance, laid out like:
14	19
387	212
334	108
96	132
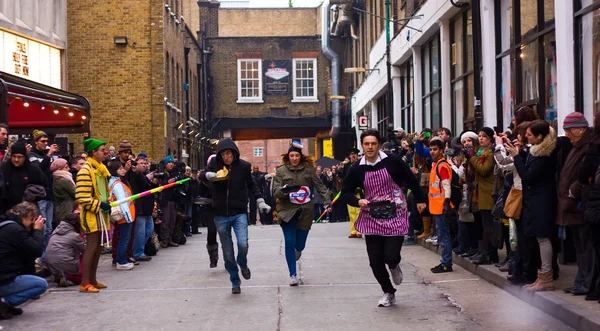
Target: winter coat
43	161
537	172
303	175
140	183
16	181
483	168
64	247
568	211
18	249
230	197
64	198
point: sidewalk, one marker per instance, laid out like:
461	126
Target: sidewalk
572	310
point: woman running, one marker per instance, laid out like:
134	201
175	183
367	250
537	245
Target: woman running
294	181
383	217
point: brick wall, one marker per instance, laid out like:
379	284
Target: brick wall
223	63
272	151
126	84
280	22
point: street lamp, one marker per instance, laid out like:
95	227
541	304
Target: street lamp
388	20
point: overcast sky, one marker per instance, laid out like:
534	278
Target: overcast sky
284	3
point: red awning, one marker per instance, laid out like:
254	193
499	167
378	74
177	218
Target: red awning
26	105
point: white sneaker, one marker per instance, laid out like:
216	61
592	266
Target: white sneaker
387	300
300	273
397	275
293	281
126	266
431	239
435	243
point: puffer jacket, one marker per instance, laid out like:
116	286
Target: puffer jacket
63	246
230	197
304	175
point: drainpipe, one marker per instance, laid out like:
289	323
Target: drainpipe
336	115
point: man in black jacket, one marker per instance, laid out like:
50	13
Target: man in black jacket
144	224
18	173
168	205
230	198
21	242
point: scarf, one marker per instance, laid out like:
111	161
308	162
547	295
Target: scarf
98	168
65	175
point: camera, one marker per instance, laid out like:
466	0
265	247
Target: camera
133	163
159	175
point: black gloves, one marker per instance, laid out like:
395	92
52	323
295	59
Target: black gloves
447	208
105	206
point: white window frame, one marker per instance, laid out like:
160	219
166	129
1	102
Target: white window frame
297	98
241	99
256	149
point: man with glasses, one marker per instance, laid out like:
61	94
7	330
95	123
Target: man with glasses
42	156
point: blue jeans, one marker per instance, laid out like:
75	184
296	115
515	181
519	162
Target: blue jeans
444	239
124	236
47	210
295	240
239	223
23	288
318	209
144	225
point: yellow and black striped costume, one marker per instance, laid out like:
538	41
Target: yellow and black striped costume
87	195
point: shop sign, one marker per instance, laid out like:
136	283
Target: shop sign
328	148
363	122
277	77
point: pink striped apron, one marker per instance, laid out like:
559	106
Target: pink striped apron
378	186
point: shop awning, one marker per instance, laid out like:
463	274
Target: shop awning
26	105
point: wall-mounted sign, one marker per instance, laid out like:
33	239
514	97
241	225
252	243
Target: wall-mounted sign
277	77
363	122
328	148
29	59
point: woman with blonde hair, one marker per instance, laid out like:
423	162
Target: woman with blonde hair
292	185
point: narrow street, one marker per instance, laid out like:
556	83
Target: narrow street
178	291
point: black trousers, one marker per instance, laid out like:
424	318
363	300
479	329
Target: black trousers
208	217
585	255
595	235
384	250
252	216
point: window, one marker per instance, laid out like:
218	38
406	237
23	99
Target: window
250	81
305	80
587	60
432	113
406	90
525	57
258	151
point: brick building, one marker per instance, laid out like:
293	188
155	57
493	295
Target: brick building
144	87
266	153
268	77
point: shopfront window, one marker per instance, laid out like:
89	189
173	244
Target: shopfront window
432	114
463	111
407	110
587	27
526	57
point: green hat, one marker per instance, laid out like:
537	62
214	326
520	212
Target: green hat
91	144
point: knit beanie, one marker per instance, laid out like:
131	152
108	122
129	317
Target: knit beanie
91	144
125	146
58	164
468	134
18	147
37	134
142	155
489	132
575	120
294	149
169	159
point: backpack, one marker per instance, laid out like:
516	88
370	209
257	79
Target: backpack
455	187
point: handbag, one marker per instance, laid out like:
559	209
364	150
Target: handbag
513	207
384	209
116	214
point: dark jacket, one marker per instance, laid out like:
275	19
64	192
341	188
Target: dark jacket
18	249
168	195
17	179
139	183
64	199
568	211
537	170
230	197
42	160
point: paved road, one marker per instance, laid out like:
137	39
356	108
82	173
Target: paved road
178	291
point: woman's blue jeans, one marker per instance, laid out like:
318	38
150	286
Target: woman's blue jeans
295	240
124	237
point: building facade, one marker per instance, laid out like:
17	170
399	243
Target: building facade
142	76
474	64
266	153
268	77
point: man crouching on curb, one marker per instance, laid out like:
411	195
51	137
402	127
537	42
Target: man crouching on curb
230	199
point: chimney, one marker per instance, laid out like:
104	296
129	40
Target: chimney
209	14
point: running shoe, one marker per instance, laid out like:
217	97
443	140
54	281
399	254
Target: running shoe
397	275
236	289
441	269
294	281
431	239
387	300
246	273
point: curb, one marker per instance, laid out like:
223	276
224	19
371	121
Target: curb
573	316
